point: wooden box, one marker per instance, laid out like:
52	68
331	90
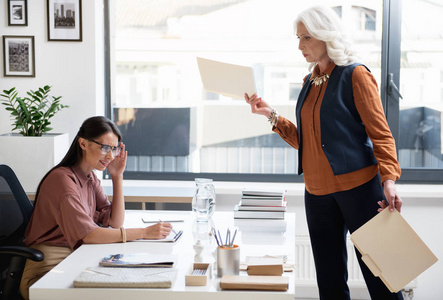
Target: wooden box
192	279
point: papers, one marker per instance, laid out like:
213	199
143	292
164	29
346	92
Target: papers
137	260
392	250
226	79
96	277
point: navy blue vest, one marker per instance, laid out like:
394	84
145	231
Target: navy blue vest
343	136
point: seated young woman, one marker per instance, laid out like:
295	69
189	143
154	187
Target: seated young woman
70	206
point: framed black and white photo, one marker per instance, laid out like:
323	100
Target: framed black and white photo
18	56
17	13
64	20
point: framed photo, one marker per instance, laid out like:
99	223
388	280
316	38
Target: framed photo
18	56
17	13
64	20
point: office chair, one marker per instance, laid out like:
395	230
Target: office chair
15	213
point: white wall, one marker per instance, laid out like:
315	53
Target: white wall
73	69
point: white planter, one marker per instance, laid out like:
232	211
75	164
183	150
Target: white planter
32	157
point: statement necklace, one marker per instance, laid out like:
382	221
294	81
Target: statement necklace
317	80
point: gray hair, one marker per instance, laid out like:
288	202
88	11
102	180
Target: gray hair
325	25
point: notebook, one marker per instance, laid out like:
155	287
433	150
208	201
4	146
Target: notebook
98	277
137	260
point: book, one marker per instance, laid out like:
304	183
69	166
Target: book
264	265
262	202
97	277
270	227
245	214
265	283
263	193
137	260
262	208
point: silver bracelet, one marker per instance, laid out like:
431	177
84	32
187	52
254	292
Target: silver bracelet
271	116
274	119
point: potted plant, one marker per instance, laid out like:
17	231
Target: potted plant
32	151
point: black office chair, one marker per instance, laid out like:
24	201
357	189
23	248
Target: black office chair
15	213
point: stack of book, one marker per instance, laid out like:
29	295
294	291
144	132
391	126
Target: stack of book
261	204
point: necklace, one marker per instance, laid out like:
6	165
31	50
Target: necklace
317	80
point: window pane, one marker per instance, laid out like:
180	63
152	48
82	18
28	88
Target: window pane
421	85
171	124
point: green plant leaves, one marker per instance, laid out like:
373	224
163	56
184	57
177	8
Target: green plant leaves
31	114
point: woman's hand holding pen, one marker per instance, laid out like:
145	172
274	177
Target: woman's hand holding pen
157	231
258	105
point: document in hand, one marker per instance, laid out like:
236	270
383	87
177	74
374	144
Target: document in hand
226	79
392	250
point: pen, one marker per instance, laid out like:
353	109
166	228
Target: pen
172	229
232	241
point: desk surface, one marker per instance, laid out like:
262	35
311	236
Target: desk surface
255	237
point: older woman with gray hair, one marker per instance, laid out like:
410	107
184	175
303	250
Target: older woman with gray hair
346	150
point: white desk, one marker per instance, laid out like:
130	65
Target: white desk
256	238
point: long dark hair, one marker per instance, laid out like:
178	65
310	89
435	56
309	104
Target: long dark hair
91	129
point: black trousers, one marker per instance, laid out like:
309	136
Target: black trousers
329	218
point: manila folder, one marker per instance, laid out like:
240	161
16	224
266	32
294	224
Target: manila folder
226	79
392	250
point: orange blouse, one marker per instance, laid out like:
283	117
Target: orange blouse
317	172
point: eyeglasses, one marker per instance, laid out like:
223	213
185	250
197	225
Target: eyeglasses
107	148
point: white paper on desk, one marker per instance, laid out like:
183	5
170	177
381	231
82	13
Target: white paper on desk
226	79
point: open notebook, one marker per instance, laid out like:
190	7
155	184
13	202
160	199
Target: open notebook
172	237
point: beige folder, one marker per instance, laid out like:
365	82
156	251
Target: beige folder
392	250
226	79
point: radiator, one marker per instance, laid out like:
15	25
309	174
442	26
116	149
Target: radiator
305	280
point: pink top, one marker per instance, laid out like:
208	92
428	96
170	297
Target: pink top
70	205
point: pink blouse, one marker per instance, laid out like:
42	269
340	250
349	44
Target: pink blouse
70	205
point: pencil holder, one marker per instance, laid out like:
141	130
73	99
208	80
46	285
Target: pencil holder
228	260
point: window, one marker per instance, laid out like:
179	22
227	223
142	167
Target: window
176	130
365	18
421	109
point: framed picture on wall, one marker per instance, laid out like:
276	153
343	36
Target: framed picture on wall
64	20
18	56
17	13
